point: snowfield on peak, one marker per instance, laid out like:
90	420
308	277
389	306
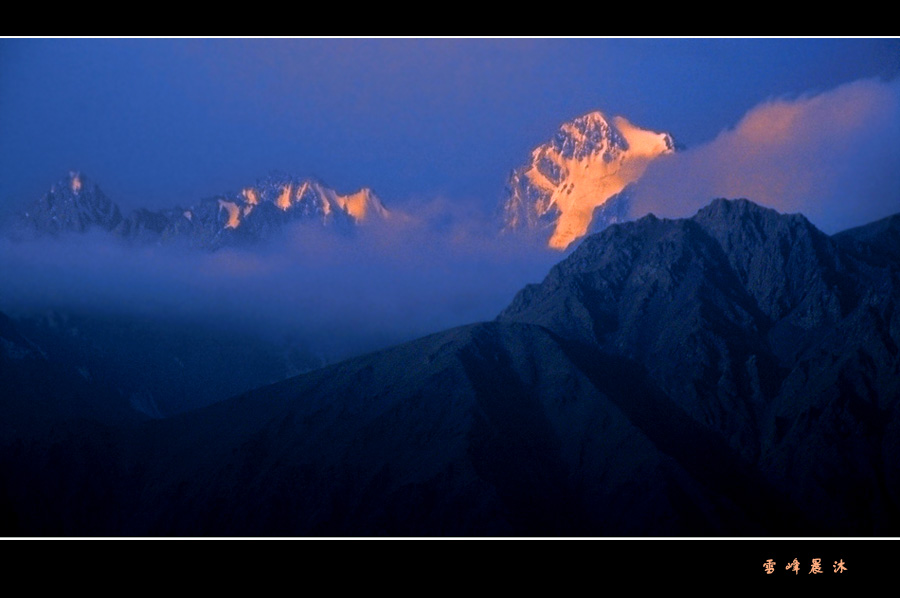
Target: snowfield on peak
76	204
589	161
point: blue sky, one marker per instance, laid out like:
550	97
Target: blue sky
434	127
163	122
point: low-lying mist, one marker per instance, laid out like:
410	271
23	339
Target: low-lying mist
341	293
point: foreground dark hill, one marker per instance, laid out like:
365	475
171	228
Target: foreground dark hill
161	367
490	429
36	390
735	373
762	328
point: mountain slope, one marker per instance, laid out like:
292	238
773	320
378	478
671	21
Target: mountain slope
73	204
76	204
36	391
490	429
760	327
734	373
584	167
878	241
163	365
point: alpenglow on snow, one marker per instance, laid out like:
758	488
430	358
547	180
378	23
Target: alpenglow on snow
76	204
588	162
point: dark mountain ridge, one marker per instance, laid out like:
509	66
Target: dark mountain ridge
760	327
733	373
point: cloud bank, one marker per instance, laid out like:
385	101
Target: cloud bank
834	156
340	294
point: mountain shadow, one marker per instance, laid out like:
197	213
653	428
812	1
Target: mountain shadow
734	373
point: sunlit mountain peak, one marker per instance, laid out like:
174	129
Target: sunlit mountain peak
76	204
589	161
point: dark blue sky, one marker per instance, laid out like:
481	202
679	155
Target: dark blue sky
164	122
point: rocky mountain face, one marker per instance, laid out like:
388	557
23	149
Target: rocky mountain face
573	183
761	328
73	204
76	204
733	373
492	429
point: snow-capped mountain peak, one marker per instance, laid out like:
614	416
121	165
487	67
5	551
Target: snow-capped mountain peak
75	204
363	205
306	197
76	182
590	160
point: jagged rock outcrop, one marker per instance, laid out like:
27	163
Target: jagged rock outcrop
573	184
76	204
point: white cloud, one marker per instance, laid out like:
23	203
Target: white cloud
834	156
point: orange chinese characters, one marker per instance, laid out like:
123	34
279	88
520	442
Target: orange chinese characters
794	566
770	566
816	566
839	567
